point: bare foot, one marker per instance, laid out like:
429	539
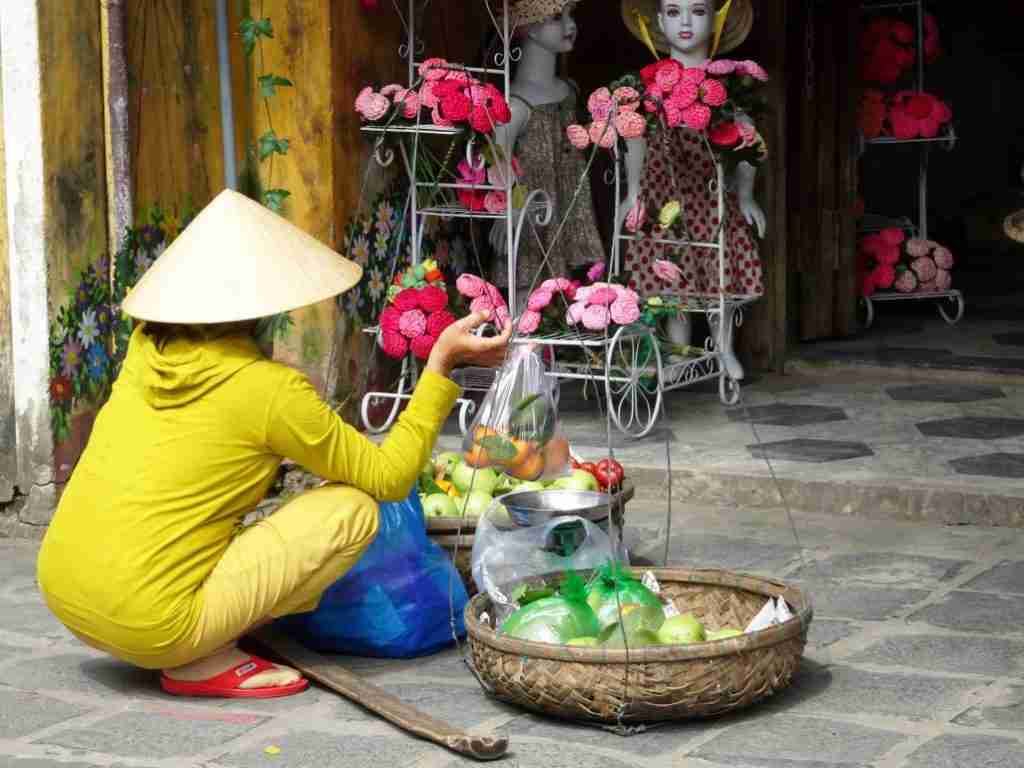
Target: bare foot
229	658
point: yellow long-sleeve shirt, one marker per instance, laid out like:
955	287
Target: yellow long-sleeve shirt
188	443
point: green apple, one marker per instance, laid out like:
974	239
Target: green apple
440	505
613	637
577	480
722	634
681	629
465	477
448	461
587	641
476	504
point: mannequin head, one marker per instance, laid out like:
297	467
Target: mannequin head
688	26
556	34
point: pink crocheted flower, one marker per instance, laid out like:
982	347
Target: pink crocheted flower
433	69
394	345
684	94
603	296
575	312
375	107
529	322
391	90
427	96
407	299
412	323
916	248
410	101
626	293
906	282
884	275
667	271
943	257
752	69
550	285
697	116
433	299
624	312
666	78
636	217
495	201
389	319
695	75
596	272
493	295
363	100
713	93
630	125
926	287
596	317
600	104
438	321
602	134
482	304
892	236
469	286
421	346
500	317
673	114
438	119
578	136
721	67
748	134
538	300
943	280
583	294
925	268
627	98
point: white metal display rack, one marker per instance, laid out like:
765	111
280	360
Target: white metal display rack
946	141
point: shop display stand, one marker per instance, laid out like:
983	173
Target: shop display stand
946	141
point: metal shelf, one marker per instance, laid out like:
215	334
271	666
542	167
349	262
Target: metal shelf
412	130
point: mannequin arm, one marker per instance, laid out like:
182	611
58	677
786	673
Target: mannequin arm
636	154
746	177
506	137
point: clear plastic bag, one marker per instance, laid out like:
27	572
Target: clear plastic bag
516	430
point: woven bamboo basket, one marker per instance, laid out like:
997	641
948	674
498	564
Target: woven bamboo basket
658	683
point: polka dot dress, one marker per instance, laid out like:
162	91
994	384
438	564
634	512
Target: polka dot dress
684	154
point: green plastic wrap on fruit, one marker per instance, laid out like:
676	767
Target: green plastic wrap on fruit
613	579
556	619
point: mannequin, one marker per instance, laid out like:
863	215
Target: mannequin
542	105
688	34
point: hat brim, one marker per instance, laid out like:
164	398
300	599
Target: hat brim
737	26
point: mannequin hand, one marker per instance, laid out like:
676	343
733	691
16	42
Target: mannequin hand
458	345
499	237
624	208
753	214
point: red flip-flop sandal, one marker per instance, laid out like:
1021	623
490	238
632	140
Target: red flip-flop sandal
226	684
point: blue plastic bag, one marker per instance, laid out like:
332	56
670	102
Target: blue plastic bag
394	603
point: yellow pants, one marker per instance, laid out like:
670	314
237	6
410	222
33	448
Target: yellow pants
280	565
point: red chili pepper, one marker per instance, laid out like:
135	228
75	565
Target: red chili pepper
609	474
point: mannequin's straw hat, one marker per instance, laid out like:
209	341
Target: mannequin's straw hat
1013	225
734	19
531	11
238	261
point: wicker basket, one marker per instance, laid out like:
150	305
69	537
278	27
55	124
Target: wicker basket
664	682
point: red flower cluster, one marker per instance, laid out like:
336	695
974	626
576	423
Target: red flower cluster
904	115
877	258
888	260
413	321
887	50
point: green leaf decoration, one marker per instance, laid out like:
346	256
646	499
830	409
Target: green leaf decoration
252	30
429	487
274	199
525	403
269	84
498	448
573	588
269	143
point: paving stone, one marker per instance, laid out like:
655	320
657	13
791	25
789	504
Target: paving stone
962	751
1008	465
1009	339
700	550
1006	577
18	561
662	740
24	712
786	740
833	599
462	706
943	393
826	632
975	612
1006	711
6	651
941	653
973	428
42	762
167	731
33	619
889	568
305	749
786	415
810	450
555	755
101	676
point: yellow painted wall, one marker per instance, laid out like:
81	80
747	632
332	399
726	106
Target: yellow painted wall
8	458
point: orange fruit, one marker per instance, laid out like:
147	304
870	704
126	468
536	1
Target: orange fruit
483	432
556	455
530	469
477	457
523	452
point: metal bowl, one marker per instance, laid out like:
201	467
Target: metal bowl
528	508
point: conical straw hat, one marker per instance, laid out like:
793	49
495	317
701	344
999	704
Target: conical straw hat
1013	225
738	23
238	261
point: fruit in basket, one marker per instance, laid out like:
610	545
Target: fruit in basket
447	461
613	637
475	504
529	469
577	480
634	616
466	476
722	634
440	505
681	629
556	619
613	586
556	455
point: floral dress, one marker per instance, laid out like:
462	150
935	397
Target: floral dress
682	152
551	163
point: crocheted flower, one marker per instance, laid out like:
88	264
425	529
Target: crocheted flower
697	116
438	119
539	299
412	323
725	135
872	113
421	346
927	287
713	93
456	107
583	294
481	120
389	318
432	298
884	275
602	295
600	104
624	312
916	248
943	280
695	75
394	345
602	134
667	271
630	125
932	42
438	321
427	96
673	114
407	299
495	201
918	115
892	235
409	100
943	257
375	107
574	314
627	98
578	136
669	213
596	317
721	67
684	94
906	281
666	78
596	272
471	174
363	99
500	317
529	322
924	267
751	69
434	68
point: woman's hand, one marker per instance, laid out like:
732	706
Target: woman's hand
458	345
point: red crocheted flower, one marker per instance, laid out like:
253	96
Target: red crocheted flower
422	345
394	345
456	107
917	114
407	299
697	116
412	323
884	275
872	113
433	299
892	236
438	321
481	120
389	319
725	135
713	93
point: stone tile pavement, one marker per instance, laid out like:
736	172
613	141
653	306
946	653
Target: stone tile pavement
916	660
